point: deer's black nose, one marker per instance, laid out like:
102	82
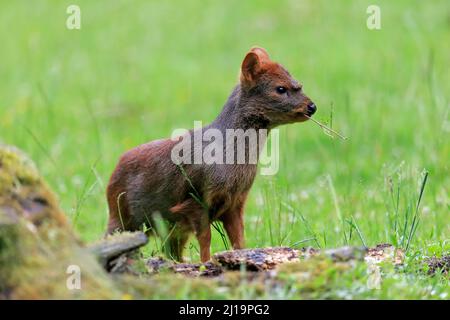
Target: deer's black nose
311	109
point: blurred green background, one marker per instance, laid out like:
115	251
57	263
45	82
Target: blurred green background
76	99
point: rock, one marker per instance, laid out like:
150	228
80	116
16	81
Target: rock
268	258
256	259
208	269
385	252
436	264
346	253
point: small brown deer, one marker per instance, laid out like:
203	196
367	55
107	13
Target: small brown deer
147	184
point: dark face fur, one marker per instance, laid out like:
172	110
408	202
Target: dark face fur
272	89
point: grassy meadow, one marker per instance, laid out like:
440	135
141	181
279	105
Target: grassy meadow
75	100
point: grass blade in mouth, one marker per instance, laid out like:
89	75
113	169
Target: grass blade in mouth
327	130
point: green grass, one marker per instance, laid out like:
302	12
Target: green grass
75	100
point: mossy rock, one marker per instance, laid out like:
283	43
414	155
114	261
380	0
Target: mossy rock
23	193
37	244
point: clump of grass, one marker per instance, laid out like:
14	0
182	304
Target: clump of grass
354	226
404	226
415	218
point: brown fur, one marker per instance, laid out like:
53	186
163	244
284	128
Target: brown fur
146	182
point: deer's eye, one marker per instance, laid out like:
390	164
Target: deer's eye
281	90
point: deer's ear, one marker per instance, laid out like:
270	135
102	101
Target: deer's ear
261	52
253	64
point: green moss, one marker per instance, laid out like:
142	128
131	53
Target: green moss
16	169
37	244
34	263
23	193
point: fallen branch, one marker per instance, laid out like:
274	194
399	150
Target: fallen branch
113	246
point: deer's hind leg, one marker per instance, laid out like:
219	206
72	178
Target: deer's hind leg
192	217
176	242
